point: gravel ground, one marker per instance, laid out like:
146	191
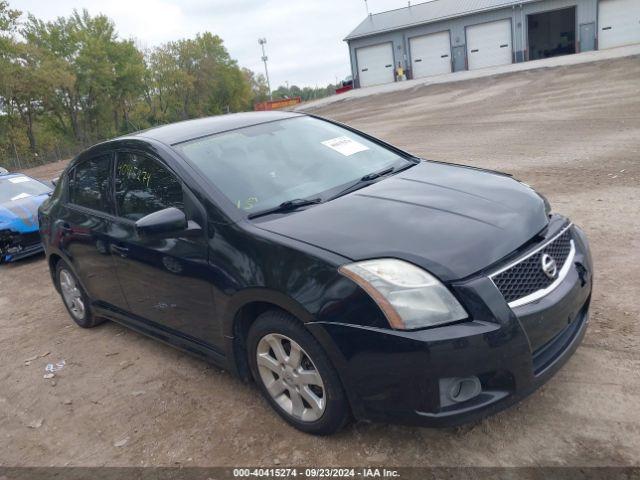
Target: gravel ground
122	399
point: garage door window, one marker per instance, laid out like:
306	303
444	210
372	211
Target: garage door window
143	186
89	184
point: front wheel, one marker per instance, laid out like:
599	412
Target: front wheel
295	375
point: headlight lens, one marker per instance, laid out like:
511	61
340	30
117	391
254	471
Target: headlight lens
409	296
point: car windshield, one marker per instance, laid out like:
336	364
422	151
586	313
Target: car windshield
16	188
262	166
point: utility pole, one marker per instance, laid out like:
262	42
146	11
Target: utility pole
366	6
262	41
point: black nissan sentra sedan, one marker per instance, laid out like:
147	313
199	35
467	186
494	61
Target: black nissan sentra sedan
347	278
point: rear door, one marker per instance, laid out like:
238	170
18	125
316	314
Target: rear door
489	44
86	226
618	23
430	54
375	64
164	277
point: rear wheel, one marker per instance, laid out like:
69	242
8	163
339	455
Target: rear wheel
295	375
74	297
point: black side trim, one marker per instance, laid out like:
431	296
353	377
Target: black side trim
160	332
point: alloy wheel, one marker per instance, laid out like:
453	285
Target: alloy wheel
290	377
71	294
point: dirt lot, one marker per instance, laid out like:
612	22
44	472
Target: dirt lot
123	399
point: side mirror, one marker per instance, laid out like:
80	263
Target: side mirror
169	220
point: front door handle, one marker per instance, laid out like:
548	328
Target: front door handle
122	251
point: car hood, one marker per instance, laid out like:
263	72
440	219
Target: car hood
451	220
21	215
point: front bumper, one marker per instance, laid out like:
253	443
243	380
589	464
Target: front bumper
396	376
17	245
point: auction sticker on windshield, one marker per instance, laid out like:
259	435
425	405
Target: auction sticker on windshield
345	145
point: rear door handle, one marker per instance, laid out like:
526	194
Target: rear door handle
122	251
474	51
66	227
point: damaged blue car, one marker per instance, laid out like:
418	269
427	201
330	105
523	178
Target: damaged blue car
20	197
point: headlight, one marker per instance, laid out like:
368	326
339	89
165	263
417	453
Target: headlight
409	297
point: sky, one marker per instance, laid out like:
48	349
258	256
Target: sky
304	37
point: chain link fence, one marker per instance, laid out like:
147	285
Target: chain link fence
15	161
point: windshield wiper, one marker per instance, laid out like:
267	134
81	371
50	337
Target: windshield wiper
368	180
374	175
287	206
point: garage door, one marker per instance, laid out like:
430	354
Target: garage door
618	23
430	54
489	44
375	64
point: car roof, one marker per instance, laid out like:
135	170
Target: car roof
202	127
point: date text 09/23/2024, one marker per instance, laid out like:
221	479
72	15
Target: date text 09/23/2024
293	472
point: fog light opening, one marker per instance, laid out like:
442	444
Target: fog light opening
464	389
458	390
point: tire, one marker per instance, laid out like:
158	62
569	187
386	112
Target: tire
74	297
306	390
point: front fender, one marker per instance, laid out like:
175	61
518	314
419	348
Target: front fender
249	296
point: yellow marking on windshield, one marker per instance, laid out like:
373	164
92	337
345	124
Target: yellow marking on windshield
133	172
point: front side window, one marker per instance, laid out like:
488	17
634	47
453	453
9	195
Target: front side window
261	166
143	186
89	184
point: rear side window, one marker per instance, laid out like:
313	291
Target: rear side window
144	186
89	184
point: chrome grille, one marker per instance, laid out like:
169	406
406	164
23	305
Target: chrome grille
526	277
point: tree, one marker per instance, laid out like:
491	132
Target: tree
194	77
258	85
100	78
306	93
72	81
60	42
8	25
129	70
